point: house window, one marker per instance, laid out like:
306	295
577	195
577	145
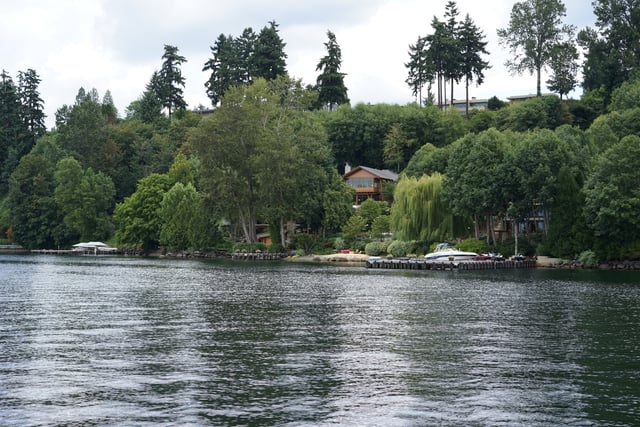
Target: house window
361	182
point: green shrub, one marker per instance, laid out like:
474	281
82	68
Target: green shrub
398	248
304	241
420	247
359	245
474	245
276	248
588	259
375	248
339	244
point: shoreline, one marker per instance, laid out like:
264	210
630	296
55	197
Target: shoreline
357	260
345	259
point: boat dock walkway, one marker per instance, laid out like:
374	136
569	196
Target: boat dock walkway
423	264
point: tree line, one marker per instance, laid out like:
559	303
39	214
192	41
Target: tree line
273	150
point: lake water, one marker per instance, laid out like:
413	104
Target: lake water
131	341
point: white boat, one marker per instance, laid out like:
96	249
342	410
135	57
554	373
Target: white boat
446	252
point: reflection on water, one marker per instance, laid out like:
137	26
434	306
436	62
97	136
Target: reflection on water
114	341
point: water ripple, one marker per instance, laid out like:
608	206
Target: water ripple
128	341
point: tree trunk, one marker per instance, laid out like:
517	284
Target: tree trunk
466	104
475	225
444	92
539	92
545	223
489	229
439	91
245	226
451	99
283	233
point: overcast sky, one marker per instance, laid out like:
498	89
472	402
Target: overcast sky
116	45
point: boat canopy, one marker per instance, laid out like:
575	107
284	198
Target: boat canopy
94	246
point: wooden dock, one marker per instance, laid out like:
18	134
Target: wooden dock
12	249
257	256
423	264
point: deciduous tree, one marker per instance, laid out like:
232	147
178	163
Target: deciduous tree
613	50
337	204
181	213
31	202
137	217
564	68
419	211
262	157
535	27
613	198
477	176
84	199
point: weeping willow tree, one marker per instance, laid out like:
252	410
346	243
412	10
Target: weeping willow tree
419	213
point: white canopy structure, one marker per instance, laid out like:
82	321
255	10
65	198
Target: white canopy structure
93	246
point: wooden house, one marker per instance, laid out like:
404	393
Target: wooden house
368	182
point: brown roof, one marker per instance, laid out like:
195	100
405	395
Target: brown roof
384	173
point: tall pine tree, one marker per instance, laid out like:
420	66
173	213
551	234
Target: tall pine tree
12	130
452	49
332	91
170	80
421	69
269	57
225	68
473	46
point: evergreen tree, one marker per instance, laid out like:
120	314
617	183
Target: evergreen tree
452	50
32	105
332	90
82	131
535	27
269	57
473	46
245	49
231	64
421	69
148	107
612	51
109	107
415	78
11	129
222	67
170	79
437	46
